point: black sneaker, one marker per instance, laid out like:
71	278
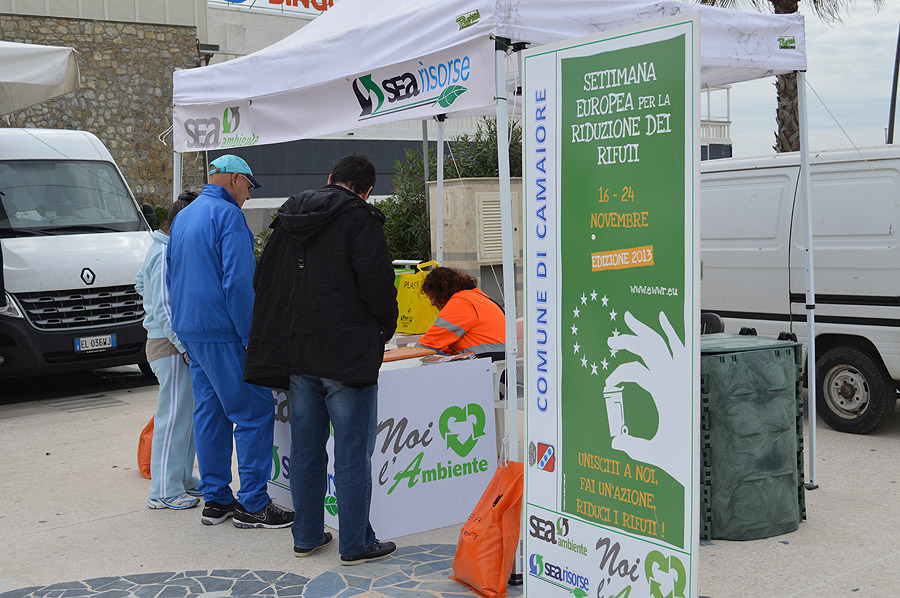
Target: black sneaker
302	552
270	516
378	550
215	513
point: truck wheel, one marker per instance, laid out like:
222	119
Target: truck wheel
856	394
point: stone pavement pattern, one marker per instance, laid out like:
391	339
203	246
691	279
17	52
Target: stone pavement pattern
412	572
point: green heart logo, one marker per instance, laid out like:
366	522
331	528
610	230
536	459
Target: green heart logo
456	413
659	560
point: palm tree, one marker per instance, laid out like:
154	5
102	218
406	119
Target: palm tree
787	114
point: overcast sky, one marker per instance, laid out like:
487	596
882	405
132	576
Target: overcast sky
850	65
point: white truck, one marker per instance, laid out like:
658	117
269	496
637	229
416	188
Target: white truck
752	267
72	238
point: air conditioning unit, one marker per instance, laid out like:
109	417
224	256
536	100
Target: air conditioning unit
490	230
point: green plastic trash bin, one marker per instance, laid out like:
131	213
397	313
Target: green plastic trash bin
752	437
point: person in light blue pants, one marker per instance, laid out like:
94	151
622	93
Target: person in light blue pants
173	484
172	454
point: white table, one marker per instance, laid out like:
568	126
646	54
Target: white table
435	451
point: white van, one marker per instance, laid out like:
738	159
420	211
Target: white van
72	239
752	268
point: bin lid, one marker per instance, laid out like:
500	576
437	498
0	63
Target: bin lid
728	342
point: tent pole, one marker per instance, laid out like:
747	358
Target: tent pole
439	250
509	272
810	280
176	175
425	165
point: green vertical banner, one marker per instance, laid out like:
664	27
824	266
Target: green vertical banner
612	374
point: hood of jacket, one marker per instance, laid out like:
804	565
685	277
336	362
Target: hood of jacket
306	214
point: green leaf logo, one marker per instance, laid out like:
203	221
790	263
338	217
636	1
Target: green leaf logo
456	413
579	593
331	505
450	94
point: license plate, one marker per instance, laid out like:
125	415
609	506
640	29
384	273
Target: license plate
95	343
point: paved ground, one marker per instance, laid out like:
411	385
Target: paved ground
73	524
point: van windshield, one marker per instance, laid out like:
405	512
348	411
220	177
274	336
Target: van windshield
53	197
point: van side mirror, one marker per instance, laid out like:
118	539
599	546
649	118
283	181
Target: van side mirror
149	214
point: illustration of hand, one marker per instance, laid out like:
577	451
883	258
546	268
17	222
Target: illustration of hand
665	368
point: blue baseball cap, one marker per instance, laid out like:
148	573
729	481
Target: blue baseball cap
231	163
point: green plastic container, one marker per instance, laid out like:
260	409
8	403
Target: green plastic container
752	436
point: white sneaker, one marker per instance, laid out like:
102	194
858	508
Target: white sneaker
182	501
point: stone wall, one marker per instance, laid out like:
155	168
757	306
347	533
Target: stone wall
125	97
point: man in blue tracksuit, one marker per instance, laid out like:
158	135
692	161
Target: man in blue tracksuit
210	267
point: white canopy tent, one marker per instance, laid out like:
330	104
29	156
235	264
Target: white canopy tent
31	73
375	61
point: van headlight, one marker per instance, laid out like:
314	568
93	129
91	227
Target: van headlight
10	309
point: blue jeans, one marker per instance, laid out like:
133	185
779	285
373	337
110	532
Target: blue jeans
353	413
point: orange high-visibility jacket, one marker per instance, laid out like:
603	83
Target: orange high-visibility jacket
470	322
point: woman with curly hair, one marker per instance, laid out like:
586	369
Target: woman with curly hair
469	321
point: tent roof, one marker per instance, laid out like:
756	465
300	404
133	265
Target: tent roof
31	73
360	36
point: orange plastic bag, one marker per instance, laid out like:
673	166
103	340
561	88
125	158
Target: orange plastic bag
488	540
144	446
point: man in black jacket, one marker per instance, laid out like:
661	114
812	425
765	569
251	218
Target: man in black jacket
325	306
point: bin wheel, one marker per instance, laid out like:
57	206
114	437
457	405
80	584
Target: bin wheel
856	394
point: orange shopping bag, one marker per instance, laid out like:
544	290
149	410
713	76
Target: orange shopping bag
490	537
144	446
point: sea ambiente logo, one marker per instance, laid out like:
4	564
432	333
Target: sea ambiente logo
545	530
440	83
560	576
216	133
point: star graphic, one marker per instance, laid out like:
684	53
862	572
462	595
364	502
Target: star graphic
605	300
584	361
593	369
604	363
574	329
577	346
583	299
593	295
576	312
612	352
615	332
612	315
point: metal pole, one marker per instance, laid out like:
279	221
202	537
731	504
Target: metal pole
890	131
176	175
509	270
810	279
425	166
439	250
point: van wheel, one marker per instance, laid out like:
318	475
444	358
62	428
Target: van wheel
146	369
856	394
